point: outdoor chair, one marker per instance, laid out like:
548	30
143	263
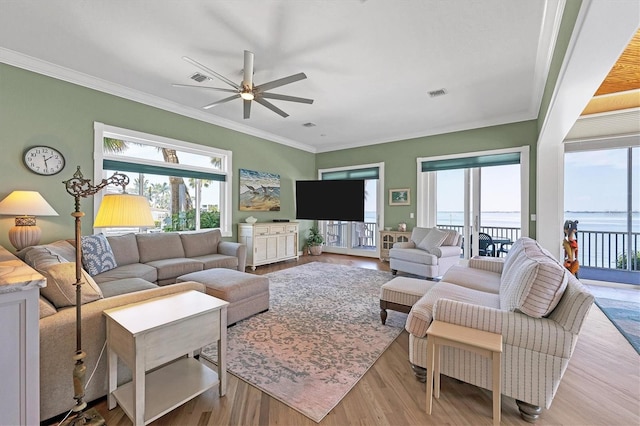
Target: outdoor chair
486	246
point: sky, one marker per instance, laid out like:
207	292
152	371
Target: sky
597	180
594	181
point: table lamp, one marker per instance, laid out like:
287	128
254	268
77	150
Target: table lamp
116	210
25	205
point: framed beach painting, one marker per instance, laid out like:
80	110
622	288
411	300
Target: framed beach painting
399	197
259	191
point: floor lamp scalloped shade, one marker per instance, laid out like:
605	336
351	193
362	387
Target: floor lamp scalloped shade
25	205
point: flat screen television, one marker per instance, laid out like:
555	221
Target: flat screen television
330	200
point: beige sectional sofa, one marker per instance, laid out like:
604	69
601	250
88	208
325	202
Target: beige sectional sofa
529	298
146	265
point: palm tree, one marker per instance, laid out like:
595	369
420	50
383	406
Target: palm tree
179	192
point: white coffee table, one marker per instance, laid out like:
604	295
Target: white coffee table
161	331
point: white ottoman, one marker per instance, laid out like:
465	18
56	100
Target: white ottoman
401	293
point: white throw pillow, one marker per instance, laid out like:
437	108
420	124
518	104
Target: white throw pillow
434	238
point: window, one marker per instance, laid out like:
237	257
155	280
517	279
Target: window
188	185
476	192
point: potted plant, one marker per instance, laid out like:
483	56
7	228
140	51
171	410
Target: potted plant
315	241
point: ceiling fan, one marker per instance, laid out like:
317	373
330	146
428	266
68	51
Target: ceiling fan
246	89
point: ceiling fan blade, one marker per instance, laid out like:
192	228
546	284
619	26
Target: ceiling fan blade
212	72
271	106
247	108
217	89
248	69
281	82
286	98
221	101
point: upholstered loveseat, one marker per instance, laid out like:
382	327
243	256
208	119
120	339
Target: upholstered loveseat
141	268
529	298
429	253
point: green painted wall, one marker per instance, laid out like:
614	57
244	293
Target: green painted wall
400	160
39	110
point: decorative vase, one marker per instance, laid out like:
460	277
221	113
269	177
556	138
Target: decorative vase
402	227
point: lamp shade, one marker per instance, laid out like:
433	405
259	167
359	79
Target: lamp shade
26	203
124	210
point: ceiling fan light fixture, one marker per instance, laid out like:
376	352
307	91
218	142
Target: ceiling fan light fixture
247	96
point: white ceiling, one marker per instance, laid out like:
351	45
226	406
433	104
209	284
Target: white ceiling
369	63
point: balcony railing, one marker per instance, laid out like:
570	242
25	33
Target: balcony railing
601	249
364	235
596	249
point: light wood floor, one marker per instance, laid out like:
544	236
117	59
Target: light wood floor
601	387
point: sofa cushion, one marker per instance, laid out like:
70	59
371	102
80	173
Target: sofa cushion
434	238
513	254
413	255
211	261
61	289
418	233
138	270
159	246
46	308
200	243
533	282
421	313
128	285
50	260
41	255
453	237
172	268
97	256
476	279
125	248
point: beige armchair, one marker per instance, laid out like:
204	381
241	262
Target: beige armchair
429	253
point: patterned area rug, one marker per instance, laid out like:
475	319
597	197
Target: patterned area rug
625	315
320	336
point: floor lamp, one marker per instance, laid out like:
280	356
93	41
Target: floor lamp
116	210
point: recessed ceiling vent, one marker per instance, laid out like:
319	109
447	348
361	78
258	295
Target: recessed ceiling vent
309	124
439	92
199	77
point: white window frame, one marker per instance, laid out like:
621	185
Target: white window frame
380	195
101	130
426	207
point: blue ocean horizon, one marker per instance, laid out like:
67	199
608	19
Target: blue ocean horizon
587	221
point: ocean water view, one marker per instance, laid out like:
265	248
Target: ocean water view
587	221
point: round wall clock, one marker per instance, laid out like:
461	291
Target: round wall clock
44	160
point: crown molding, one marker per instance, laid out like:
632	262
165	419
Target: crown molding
49	69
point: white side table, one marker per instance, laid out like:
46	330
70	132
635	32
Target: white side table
158	331
481	342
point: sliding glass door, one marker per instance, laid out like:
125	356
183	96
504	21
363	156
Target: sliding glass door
482	196
356	238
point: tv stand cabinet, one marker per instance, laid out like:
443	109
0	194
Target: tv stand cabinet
269	242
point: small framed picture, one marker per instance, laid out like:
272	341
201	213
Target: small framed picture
399	197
